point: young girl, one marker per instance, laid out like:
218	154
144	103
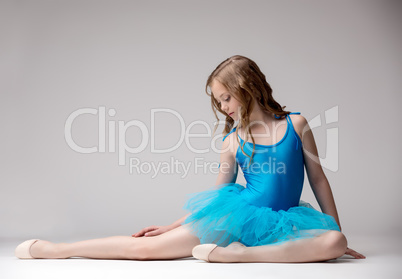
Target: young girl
263	222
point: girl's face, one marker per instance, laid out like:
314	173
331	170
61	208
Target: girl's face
226	101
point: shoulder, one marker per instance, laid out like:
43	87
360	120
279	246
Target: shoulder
230	134
299	123
230	142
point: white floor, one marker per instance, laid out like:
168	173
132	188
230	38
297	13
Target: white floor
383	260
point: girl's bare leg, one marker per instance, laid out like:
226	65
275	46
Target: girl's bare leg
329	245
177	243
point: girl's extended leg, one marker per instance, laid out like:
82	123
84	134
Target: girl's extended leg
177	243
329	245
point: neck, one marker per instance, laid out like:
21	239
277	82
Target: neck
259	116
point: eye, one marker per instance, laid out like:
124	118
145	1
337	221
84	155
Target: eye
225	100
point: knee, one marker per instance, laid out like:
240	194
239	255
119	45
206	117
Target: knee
335	244
137	251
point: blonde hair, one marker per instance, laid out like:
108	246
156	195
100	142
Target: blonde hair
244	80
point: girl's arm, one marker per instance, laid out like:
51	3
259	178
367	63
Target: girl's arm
227	170
318	181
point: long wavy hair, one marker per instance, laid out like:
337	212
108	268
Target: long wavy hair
244	80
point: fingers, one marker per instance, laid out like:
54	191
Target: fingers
354	254
359	256
153	233
144	231
140	233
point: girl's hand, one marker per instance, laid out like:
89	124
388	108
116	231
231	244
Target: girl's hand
354	254
152	231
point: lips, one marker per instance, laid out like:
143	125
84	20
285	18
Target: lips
230	114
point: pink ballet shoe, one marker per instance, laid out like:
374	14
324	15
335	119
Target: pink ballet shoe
23	250
202	251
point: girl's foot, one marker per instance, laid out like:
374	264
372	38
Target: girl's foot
229	254
43	249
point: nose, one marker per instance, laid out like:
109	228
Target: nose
224	107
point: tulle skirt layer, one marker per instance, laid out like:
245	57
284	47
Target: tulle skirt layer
222	216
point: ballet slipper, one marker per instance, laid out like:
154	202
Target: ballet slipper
202	251
23	250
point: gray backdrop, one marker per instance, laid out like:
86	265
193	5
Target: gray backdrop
133	56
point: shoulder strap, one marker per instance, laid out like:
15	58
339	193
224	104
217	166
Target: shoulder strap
293	128
278	117
234	129
289	120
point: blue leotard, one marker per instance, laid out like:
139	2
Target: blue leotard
268	210
275	178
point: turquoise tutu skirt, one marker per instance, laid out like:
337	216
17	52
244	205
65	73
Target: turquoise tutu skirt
222	216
